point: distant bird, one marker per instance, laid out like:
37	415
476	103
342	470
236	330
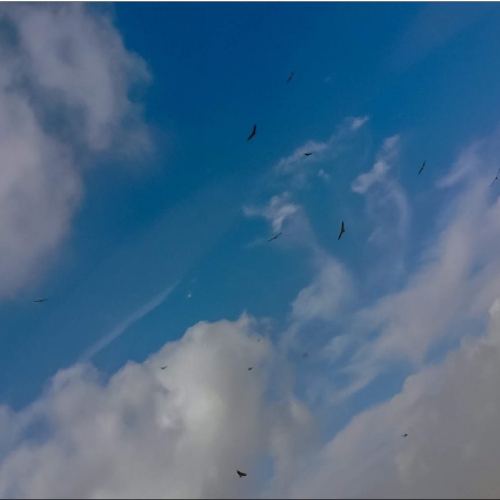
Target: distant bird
342	230
258	340
163	367
307	154
496	178
404	435
421	168
290	77
250	368
40	300
274	238
254	131
305	355
241	474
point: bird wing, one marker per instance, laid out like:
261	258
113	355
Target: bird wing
254	131
290	77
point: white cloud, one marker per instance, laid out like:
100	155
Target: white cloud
63	95
450	413
126	323
297	165
176	433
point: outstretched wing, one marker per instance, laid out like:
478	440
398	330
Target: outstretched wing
254	131
307	154
421	168
342	230
241	474
290	77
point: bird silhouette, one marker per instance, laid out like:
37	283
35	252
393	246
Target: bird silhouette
254	131
404	435
421	168
290	77
241	474
274	238
250	368
342	230
163	367
40	300
305	355
307	154
496	178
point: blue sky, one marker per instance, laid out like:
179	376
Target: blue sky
139	208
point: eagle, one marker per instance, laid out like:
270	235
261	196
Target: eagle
274	238
241	474
342	230
254	131
421	168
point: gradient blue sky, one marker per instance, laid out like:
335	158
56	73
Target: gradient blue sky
164	239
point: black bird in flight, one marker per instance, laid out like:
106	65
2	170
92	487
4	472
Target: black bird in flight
241	474
258	340
274	238
305	355
342	230
163	367
40	300
421	168
307	154
290	77
496	178
254	131
405	435
250	368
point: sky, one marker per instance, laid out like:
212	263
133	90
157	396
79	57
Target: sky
132	200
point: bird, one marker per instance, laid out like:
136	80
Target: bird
342	230
404	435
496	178
290	77
307	154
258	340
163	367
305	355
254	131
40	300
241	474
421	168
274	238
250	368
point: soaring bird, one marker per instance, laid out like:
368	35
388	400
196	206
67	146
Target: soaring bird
250	368
40	300
496	178
421	168
290	77
342	230
163	367
305	355
307	154
274	238
254	131
404	435
241	474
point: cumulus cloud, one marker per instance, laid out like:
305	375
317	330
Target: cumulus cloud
64	83
175	433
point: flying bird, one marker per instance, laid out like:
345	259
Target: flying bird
163	367
305	355
40	300
342	230
307	154
254	131
274	238
250	368
421	168
241	474
496	178
405	435
258	340
290	77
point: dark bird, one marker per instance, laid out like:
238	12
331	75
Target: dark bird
273	238
405	435
254	131
250	368
241	474
307	154
40	300
421	168
290	77
163	367
305	355
342	230
496	178
258	340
